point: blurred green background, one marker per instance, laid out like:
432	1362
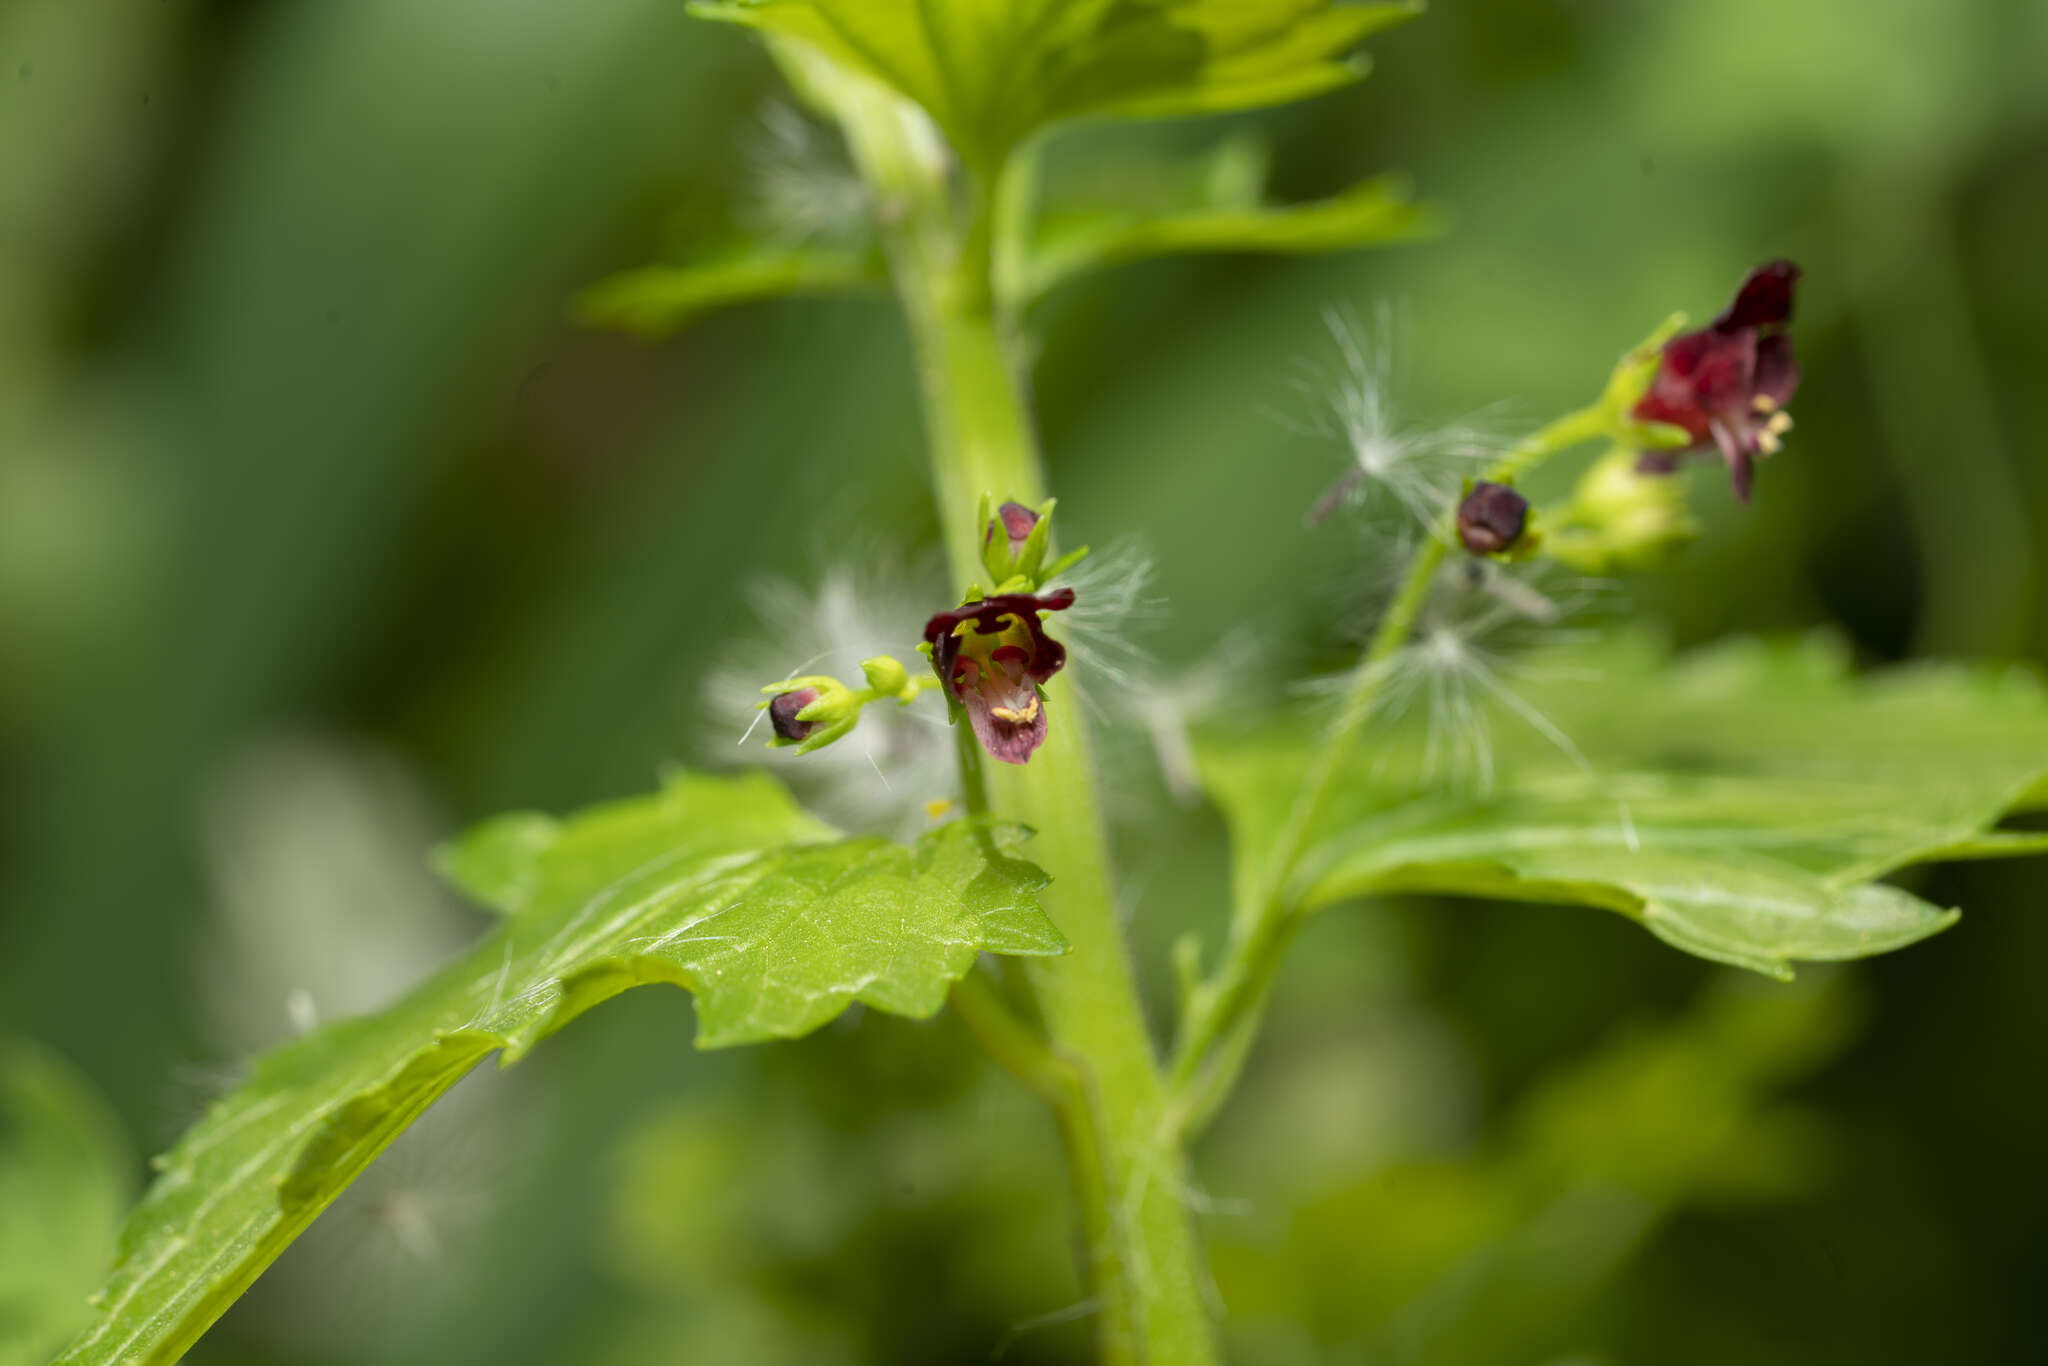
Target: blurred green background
322	531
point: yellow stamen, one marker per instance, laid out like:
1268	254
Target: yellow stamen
1017	717
1764	403
1767	442
1779	424
937	807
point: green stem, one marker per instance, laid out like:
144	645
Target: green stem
1142	1253
973	781
1224	1013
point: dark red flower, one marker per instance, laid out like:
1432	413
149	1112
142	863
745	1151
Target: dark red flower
1728	383
992	655
782	714
1492	518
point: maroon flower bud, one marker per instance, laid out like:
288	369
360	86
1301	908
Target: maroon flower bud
1727	384
782	714
1491	518
991	655
1014	521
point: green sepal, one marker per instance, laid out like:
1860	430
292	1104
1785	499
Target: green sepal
836	709
1630	380
1653	436
995	547
1619	518
818	739
1033	554
1063	564
1019	572
1529	544
831	694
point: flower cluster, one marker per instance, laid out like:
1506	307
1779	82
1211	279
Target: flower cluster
991	654
1722	387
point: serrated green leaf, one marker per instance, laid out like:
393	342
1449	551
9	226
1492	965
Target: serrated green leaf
719	885
64	1178
1372	212
990	74
655	301
1739	802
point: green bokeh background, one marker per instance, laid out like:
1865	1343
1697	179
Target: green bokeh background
323	531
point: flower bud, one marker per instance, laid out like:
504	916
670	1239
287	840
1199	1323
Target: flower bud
886	677
782	714
1492	518
1014	540
1013	521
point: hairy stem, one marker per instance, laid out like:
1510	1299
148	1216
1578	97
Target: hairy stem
1224	1013
1142	1254
973	778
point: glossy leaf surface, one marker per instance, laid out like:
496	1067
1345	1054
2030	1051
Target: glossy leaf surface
1739	802
719	885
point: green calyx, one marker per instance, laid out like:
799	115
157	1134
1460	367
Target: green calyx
1618	517
1630	380
1014	543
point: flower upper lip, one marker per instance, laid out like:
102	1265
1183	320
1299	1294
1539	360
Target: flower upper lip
1046	656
